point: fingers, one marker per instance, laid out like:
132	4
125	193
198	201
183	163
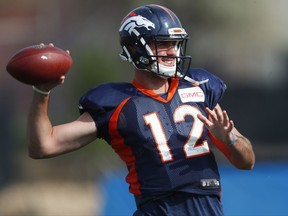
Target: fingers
50	85
217	116
52	45
214	116
218	123
230	126
219	113
61	80
210	113
205	121
225	118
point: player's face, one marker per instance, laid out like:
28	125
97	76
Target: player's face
165	48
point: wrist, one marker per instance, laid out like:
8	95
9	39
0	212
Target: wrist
234	138
46	93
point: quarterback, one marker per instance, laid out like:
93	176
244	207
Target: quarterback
162	124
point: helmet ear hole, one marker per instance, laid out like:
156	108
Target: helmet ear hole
131	49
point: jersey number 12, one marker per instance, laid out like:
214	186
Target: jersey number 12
189	147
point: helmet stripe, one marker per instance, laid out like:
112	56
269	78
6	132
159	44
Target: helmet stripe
167	11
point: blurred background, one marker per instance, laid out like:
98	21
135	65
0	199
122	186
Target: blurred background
245	42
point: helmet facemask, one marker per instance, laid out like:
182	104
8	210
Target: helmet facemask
177	70
143	58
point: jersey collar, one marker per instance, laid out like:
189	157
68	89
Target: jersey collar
172	89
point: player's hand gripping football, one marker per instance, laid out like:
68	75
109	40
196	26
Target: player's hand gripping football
218	123
52	84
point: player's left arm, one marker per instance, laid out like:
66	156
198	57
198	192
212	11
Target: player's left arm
237	148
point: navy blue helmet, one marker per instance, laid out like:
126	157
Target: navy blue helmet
152	23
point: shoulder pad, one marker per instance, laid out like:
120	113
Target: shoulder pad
214	88
106	96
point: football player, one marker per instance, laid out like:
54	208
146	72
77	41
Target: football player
162	124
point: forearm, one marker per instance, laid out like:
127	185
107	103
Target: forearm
239	152
39	125
46	140
242	154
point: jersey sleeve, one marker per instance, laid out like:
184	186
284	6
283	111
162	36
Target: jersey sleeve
101	101
214	89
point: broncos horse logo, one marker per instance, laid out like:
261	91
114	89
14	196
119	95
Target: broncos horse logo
136	22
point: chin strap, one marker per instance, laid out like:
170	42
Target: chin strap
194	82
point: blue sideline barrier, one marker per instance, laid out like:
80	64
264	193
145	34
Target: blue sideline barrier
260	192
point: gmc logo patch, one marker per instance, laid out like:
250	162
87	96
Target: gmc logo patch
193	94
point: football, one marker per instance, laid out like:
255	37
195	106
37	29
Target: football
39	64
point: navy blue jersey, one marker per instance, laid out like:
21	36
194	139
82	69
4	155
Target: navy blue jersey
161	140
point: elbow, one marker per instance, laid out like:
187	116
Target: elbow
38	153
250	165
35	157
251	162
36	149
247	164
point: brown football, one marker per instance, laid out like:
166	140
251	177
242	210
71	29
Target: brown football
39	64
